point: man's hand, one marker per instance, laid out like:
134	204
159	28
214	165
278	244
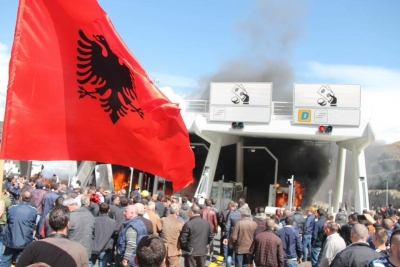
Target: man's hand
124	262
298	260
225	242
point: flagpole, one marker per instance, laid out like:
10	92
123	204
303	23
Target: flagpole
2	174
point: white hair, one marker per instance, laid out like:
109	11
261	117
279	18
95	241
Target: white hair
69	201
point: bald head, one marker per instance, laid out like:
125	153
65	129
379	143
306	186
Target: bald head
139	208
26	196
359	233
270	224
130	212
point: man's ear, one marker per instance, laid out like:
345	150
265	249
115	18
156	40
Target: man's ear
136	261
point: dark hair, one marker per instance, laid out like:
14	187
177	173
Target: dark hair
59	217
184	200
55	186
213	201
208	202
289	220
123	201
59	201
354	217
298	209
150	251
195	209
144	201
321	212
113	197
104	208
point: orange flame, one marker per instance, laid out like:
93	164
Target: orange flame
120	180
299	192
281	198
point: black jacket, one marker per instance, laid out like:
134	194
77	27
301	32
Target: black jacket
104	233
195	236
160	208
357	254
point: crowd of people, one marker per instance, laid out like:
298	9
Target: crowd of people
57	225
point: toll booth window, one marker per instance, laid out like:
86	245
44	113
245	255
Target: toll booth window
214	192
227	192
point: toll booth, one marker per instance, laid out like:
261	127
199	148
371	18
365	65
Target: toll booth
225	192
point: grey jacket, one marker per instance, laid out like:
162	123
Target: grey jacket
104	233
81	228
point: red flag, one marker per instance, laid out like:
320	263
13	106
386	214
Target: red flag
75	92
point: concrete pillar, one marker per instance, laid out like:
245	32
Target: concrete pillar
239	162
340	168
207	178
155	185
140	182
360	177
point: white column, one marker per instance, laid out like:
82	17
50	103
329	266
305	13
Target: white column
361	197
155	185
239	162
211	162
340	168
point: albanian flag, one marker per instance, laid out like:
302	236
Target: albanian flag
75	92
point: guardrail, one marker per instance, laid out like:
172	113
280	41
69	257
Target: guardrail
202	106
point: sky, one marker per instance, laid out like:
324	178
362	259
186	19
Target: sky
184	45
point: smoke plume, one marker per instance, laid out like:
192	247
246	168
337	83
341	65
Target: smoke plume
267	36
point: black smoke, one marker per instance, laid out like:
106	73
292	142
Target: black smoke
267	35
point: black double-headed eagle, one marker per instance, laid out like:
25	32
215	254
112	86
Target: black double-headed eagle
113	81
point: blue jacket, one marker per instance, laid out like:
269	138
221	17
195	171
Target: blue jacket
21	220
309	225
141	230
318	232
233	217
291	242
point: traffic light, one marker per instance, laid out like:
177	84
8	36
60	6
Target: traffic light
325	129
237	125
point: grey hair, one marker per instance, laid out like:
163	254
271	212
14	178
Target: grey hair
69	201
151	205
85	200
173	208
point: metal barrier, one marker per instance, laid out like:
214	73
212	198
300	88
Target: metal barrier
202	106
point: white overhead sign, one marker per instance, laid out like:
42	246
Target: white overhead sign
245	102
333	104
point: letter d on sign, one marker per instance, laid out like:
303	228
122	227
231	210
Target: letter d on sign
304	115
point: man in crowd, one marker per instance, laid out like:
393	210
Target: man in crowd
154	218
379	240
358	254
14	188
184	211
50	198
172	227
291	242
345	230
242	237
18	233
114	206
234	216
132	232
267	247
260	218
195	237
316	241
160	206
150	252
81	225
104	236
394	258
307	234
146	222
209	214
300	220
55	250
333	244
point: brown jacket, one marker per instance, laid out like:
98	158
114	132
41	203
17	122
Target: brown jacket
172	228
210	215
267	249
243	235
155	221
